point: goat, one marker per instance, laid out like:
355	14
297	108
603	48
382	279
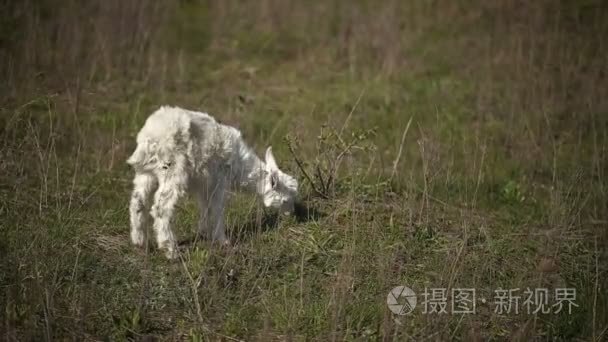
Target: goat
181	151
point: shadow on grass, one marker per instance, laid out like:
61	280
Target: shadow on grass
269	220
265	222
304	213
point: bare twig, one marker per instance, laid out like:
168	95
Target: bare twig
396	162
301	166
351	112
324	185
480	173
334	167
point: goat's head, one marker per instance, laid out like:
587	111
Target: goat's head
279	190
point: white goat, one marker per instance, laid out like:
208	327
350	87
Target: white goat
181	151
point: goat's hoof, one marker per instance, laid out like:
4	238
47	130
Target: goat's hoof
172	253
171	250
138	239
222	242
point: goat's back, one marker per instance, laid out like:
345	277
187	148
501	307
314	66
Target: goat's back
170	131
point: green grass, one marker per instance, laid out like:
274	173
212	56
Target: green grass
501	182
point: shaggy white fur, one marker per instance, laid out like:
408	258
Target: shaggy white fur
181	151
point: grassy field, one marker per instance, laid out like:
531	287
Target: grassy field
443	145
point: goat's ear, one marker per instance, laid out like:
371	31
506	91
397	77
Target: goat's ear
271	164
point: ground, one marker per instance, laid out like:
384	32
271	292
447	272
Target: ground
438	145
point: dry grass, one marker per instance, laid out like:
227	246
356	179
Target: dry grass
439	144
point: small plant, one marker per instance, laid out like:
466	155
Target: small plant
128	324
511	192
332	148
195	336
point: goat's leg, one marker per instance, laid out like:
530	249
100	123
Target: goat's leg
203	215
141	199
216	211
170	190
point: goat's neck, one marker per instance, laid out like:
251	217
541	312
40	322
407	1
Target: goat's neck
251	175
